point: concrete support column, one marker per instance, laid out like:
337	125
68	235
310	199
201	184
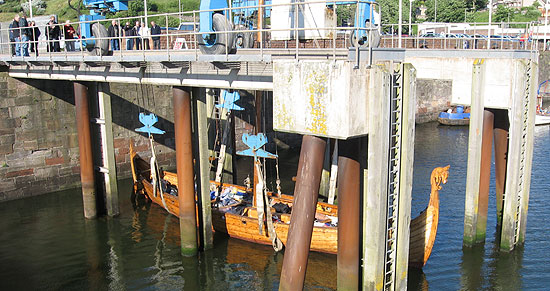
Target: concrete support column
375	182
184	162
471	204
85	149
520	155
406	176
202	167
306	191
348	214
108	149
484	175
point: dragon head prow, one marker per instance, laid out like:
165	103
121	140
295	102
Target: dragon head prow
439	176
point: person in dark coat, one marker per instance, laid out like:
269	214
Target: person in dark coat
114	34
136	34
35	34
25	35
13	31
16	33
129	33
155	35
53	32
69	32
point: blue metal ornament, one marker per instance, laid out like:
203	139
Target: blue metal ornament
149	120
229	100
255	142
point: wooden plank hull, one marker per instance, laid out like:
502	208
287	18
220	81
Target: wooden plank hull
324	239
454	122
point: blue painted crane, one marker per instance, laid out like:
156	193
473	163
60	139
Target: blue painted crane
223	29
94	34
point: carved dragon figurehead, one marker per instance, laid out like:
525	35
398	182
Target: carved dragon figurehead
439	175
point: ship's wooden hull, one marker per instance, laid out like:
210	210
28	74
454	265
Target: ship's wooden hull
422	236
454	122
324	239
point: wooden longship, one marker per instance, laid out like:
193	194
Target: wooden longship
324	238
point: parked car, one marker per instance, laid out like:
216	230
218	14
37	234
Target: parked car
188	26
430	34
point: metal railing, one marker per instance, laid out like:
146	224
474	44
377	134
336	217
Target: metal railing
293	40
296	41
468	36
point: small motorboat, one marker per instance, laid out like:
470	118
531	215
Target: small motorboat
455	116
542	116
542	119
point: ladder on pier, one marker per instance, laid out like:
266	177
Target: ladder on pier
394	174
520	153
386	216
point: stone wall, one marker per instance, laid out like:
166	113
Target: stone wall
38	139
432	97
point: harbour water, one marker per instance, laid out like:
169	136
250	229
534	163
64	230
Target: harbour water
45	242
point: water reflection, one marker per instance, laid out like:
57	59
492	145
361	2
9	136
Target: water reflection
417	280
502	271
232	264
471	268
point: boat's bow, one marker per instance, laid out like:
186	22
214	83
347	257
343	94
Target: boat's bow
424	226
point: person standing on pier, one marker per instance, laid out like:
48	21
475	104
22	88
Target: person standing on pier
34	38
53	33
68	31
14	36
155	33
25	32
129	34
144	33
136	34
114	34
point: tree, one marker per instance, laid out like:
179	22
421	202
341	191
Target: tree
476	5
503	14
77	8
390	13
447	10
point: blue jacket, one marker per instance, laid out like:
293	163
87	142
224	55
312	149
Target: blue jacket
23	23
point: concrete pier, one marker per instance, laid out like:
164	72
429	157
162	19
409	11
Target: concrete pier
471	212
489	121
184	161
202	166
85	146
306	192
107	149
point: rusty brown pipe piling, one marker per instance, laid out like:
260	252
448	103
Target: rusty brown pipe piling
485	174
85	148
348	215
501	128
184	163
306	190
